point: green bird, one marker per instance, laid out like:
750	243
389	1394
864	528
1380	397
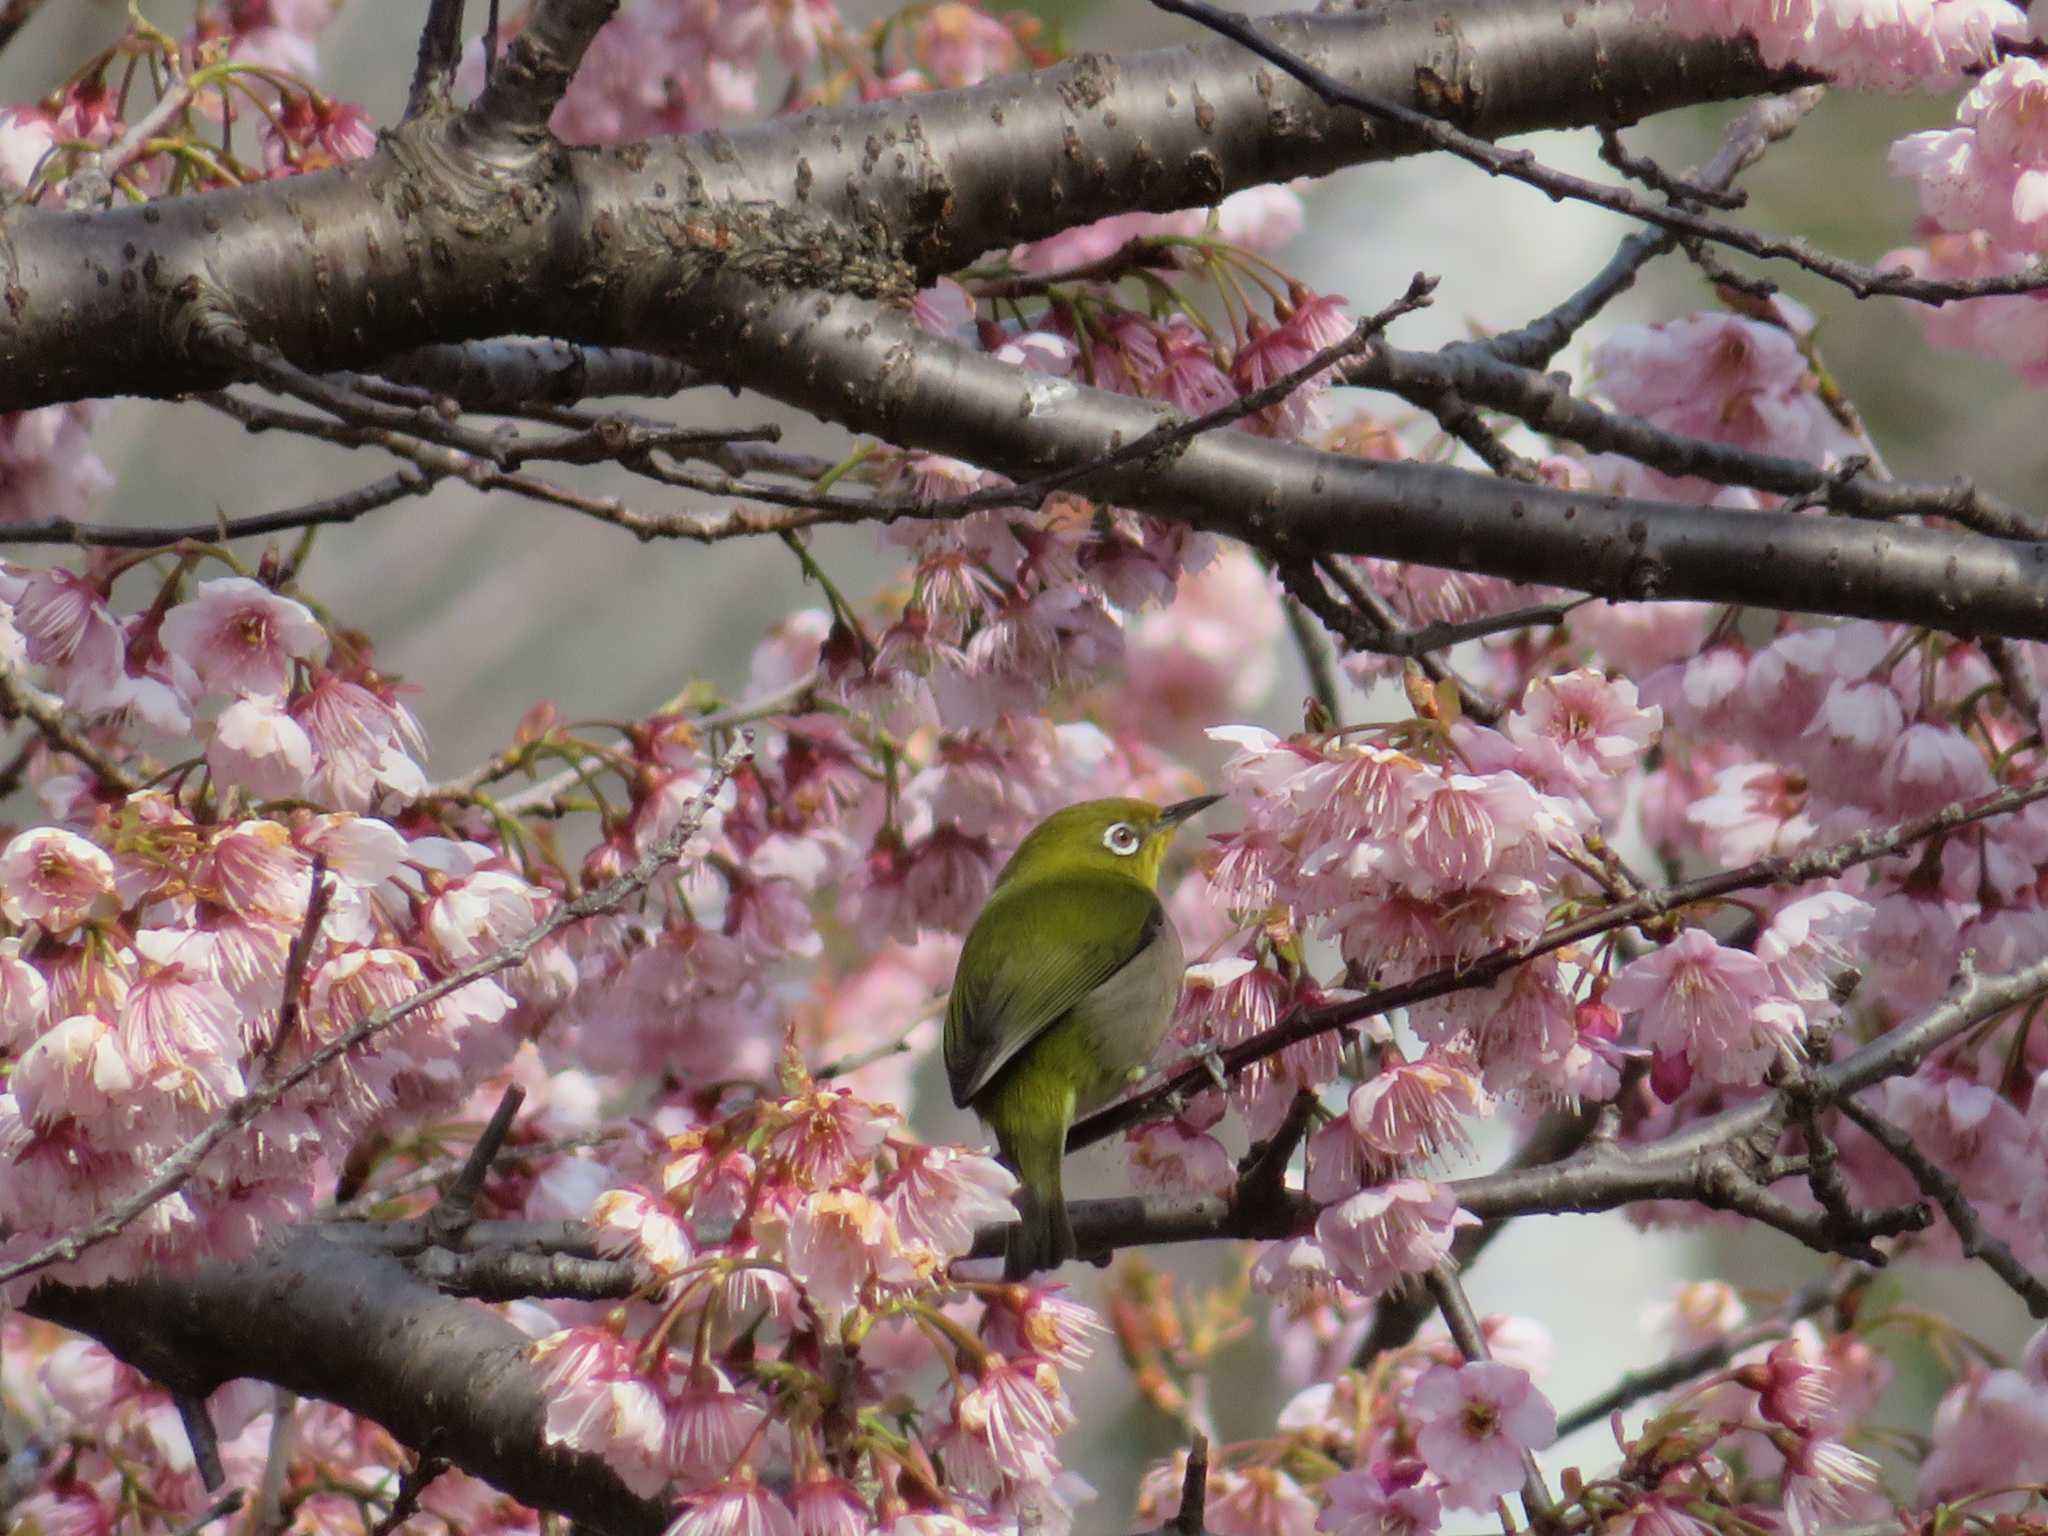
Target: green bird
1065	987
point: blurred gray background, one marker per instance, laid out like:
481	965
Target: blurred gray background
489	603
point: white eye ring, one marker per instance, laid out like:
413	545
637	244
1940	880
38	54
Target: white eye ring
1121	838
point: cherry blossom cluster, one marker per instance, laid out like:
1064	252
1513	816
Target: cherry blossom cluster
676	66
99	136
146	972
1393	1450
1983	189
1762	1440
1983	184
158	115
811	1360
1881	45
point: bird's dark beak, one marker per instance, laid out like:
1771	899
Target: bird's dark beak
1181	810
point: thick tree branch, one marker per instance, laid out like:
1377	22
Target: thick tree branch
874	371
467	228
1472	371
518	373
353	1326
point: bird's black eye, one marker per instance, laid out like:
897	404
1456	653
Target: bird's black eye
1122	838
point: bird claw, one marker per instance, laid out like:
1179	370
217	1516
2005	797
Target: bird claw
1212	1062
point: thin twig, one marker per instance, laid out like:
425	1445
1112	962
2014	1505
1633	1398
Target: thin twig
202	1437
411	1484
296	960
15	15
440	52
1370	624
219	1509
1315	659
1466	1333
429	1175
1939	1186
1191	1519
1521	165
21	699
1681	1368
458	1204
268	1517
345	508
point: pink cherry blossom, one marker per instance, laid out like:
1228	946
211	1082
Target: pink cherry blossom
241	637
1474	1423
1169	1156
1593	718
1411	1109
709	1425
631	1220
1262	218
1385	1499
1378	1236
1264	1502
1461	827
738	1507
596	1403
2013	329
1212	649
1189	376
1010	1418
256	746
1792	1389
1722	377
1042	1320
363	743
1989	173
27	134
1826	1482
1923	44
54	878
1715	1006
839	1240
1700	1312
941	1196
830	1135
1811	943
1990	1432
479	914
959	44
824	1505
1930	766
48	472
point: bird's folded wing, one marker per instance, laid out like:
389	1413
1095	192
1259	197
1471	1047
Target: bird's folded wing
1038	948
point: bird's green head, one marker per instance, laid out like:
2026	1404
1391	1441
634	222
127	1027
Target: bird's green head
1126	838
